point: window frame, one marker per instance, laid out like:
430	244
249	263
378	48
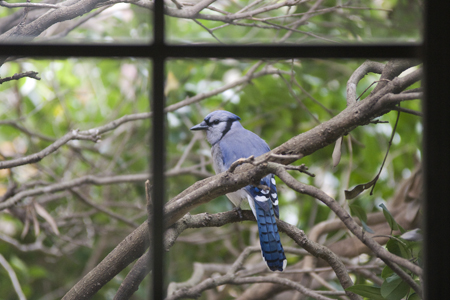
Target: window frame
434	51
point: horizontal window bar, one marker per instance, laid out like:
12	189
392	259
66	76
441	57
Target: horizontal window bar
218	51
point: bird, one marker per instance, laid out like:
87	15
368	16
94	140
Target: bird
230	141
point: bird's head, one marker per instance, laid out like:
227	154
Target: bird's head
217	124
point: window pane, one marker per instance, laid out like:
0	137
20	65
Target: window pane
281	100
77	203
75	21
297	22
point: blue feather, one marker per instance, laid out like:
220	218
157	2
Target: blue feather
269	238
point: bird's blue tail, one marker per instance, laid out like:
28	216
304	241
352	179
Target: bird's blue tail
271	247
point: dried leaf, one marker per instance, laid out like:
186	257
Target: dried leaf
26	227
337	152
359	189
47	217
37	228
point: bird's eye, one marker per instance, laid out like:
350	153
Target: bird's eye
215	122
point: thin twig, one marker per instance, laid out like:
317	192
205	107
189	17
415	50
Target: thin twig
207	29
36	157
387	152
112	214
408	111
31	74
13	277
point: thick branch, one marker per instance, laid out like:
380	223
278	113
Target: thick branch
131	248
367	67
393	68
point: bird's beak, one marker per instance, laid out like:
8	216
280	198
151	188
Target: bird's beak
201	126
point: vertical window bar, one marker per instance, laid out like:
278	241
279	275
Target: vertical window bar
158	194
436	144
158	150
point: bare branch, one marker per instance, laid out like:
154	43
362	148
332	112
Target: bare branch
31	74
249	76
26	130
393	68
76	24
367	67
57	187
397	98
33	158
112	214
36	246
408	111
27	4
13	277
131	282
91	179
131	248
208	30
231	279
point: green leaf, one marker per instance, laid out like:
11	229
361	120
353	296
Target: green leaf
414	296
387	272
366	227
394	288
396	247
391	221
368	291
37	272
359	212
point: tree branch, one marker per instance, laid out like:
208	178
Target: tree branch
393	68
367	67
12	275
31	74
27	4
33	158
131	248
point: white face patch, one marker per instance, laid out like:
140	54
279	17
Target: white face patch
261	198
273	181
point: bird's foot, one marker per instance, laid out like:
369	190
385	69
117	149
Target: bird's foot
238	210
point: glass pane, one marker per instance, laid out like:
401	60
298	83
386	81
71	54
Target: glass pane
89	121
75	21
300	105
294	22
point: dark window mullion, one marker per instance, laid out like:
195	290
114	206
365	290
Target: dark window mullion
436	144
158	151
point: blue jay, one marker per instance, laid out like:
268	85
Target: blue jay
231	141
